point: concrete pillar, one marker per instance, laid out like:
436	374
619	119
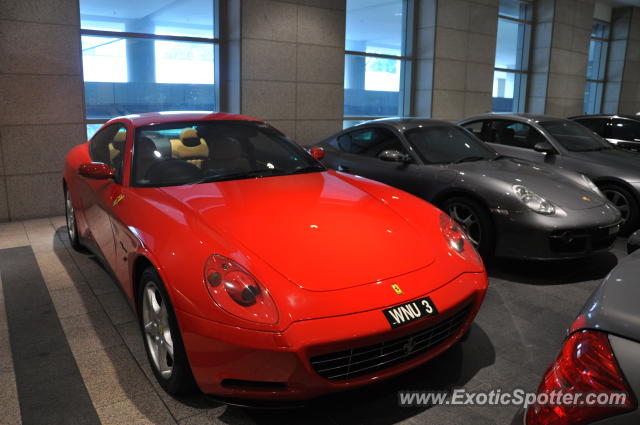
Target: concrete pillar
424	46
630	82
41	104
292	65
141	53
464	56
559	53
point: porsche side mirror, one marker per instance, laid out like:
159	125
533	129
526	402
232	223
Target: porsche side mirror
544	147
393	155
633	243
317	153
96	171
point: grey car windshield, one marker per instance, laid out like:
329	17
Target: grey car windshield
575	137
448	144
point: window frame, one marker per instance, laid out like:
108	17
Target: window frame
407	60
215	41
599	84
375	128
521	70
119	173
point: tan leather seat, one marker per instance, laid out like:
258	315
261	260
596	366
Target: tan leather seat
190	147
116	147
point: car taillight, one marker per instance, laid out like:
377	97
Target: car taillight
458	240
237	291
586	364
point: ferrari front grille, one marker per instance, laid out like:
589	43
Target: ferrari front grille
364	360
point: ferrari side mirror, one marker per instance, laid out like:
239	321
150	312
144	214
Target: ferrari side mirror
96	171
317	153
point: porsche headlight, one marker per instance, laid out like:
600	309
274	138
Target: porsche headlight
590	184
534	201
237	291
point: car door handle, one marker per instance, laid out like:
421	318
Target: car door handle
344	168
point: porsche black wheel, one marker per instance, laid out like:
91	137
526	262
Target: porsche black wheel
626	204
475	221
162	339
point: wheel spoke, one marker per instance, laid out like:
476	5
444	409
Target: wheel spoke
153	303
150	329
155	319
164	367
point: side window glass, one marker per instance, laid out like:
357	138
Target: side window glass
372	142
513	133
108	146
344	143
596	125
476	129
625	130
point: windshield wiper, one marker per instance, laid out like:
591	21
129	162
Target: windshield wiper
244	175
469	159
263	172
308	169
601	148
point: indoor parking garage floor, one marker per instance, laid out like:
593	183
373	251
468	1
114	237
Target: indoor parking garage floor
70	346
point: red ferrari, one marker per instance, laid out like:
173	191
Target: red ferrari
255	272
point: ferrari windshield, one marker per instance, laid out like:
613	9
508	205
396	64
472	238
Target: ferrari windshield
205	151
575	137
448	144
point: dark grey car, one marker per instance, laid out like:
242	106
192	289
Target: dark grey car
509	207
601	353
569	145
622	131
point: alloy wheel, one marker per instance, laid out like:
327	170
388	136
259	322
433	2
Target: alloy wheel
157	332
70	216
464	216
620	201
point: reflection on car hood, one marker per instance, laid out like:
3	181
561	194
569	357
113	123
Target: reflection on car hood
613	307
316	229
543	180
619	159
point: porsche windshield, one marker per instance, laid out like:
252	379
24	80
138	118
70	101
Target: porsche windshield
448	144
206	151
575	137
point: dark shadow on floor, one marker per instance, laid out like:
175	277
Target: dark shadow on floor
62	247
554	272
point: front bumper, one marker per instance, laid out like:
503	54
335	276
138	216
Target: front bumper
239	363
529	235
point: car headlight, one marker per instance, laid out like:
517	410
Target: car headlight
590	184
457	240
237	291
534	201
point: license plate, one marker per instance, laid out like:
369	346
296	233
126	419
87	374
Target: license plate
410	312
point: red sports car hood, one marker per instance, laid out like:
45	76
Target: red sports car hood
319	231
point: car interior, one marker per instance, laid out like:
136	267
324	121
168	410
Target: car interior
187	154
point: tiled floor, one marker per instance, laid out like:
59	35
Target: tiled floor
516	335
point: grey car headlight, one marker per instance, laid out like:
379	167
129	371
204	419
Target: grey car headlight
590	184
535	202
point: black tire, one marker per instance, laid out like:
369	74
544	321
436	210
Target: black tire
622	198
180	381
481	229
72	225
